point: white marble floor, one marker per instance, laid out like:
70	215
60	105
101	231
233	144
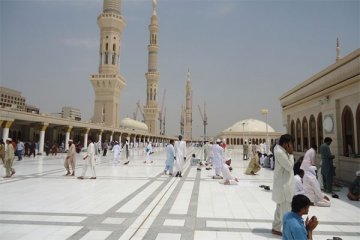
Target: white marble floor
137	201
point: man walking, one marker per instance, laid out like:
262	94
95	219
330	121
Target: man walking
284	183
245	151
89	160
70	158
180	152
19	149
327	167
170	158
9	158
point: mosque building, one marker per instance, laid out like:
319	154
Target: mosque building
249	130
151	110
328	105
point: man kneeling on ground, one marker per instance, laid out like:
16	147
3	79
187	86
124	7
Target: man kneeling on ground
293	224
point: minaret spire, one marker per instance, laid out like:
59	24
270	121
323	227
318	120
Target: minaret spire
188	110
151	109
338	57
108	82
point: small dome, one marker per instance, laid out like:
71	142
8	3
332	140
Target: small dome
133	124
249	125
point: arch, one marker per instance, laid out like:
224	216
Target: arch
106	46
241	141
298	135
305	134
114	47
312	130
347	122
292	129
238	141
320	130
358	128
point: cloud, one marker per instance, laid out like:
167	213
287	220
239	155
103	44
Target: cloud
80	42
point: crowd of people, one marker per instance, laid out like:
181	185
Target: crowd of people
297	185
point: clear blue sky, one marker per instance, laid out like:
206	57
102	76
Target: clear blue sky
242	55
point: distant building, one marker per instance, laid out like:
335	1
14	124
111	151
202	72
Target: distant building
249	130
12	99
328	105
32	109
71	113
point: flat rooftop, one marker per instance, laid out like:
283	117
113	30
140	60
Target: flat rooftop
137	201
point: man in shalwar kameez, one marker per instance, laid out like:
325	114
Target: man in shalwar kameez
70	158
180	152
170	158
284	181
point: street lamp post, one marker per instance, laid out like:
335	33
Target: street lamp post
243	124
265	111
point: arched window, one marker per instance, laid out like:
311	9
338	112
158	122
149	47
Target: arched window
238	141
113	59
114	47
312	125
150	94
358	128
320	130
106	46
292	129
241	141
298	136
305	134
347	122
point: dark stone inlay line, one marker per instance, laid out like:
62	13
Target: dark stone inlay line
187	231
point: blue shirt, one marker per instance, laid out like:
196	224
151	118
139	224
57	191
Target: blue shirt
293	227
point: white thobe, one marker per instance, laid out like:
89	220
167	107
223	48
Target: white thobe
312	189
90	160
218	159
116	153
283	185
299	188
180	152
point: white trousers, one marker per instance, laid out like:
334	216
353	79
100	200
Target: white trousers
281	209
88	162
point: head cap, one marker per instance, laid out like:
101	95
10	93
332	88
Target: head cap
9	139
218	140
70	140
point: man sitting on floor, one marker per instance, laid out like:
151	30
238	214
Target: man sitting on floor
293	224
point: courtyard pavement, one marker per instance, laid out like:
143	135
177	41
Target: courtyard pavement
137	201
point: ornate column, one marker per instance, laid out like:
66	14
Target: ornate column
86	135
7	125
67	137
42	129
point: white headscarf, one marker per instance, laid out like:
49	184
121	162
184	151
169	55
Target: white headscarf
312	171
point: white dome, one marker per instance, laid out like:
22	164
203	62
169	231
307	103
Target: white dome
133	124
249	125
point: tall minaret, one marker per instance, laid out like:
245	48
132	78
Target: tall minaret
188	110
338	57
108	82
151	109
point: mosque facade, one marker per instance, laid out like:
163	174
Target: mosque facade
328	105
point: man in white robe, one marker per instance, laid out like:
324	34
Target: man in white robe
148	152
312	189
299	187
116	152
89	159
180	152
283	181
